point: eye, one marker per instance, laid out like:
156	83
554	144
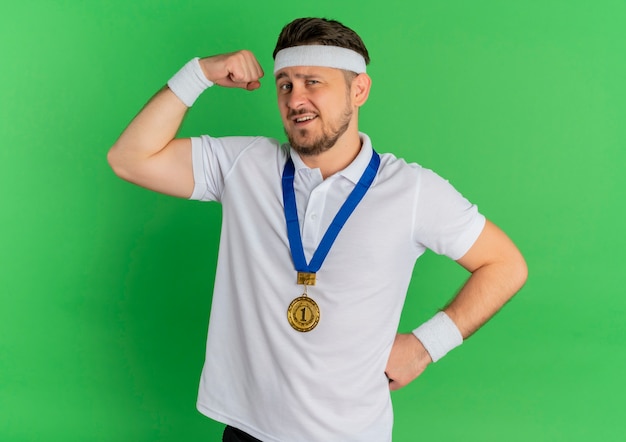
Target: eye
312	82
285	87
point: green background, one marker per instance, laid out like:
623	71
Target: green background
105	287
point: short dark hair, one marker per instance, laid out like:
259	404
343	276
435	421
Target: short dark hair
320	31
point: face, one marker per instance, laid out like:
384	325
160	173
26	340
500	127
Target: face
315	105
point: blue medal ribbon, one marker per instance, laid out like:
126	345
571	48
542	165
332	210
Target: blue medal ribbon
293	226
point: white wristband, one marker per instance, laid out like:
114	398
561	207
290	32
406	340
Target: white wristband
439	335
188	83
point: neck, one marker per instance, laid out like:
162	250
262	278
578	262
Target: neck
336	158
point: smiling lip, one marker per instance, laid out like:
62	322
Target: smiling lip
303	119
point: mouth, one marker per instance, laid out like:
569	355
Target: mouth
302	120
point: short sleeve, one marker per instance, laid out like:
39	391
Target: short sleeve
445	221
212	160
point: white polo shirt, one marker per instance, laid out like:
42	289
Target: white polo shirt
328	384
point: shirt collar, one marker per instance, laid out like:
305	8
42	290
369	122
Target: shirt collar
355	169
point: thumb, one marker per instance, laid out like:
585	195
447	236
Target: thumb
252	85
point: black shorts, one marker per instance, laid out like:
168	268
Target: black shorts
232	434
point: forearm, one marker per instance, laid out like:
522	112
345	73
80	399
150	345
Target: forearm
489	287
484	293
148	133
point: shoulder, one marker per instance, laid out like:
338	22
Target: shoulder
229	150
237	143
396	169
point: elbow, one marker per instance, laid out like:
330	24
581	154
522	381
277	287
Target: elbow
112	159
523	273
519	273
116	162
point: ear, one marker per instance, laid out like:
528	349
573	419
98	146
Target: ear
361	85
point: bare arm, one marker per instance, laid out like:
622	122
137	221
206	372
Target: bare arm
147	152
498	272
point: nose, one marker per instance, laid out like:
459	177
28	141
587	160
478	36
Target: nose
297	97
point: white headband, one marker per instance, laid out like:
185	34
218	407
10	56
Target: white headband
319	55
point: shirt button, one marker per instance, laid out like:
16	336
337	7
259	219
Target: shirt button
314	217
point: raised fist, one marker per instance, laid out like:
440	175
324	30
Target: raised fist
236	69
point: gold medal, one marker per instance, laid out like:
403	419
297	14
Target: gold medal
303	314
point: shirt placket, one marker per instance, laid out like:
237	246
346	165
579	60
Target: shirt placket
313	217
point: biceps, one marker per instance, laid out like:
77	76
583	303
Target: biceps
492	246
169	171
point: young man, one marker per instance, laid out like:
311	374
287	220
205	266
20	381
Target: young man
319	239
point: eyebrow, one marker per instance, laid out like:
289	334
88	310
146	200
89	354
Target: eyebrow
304	76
